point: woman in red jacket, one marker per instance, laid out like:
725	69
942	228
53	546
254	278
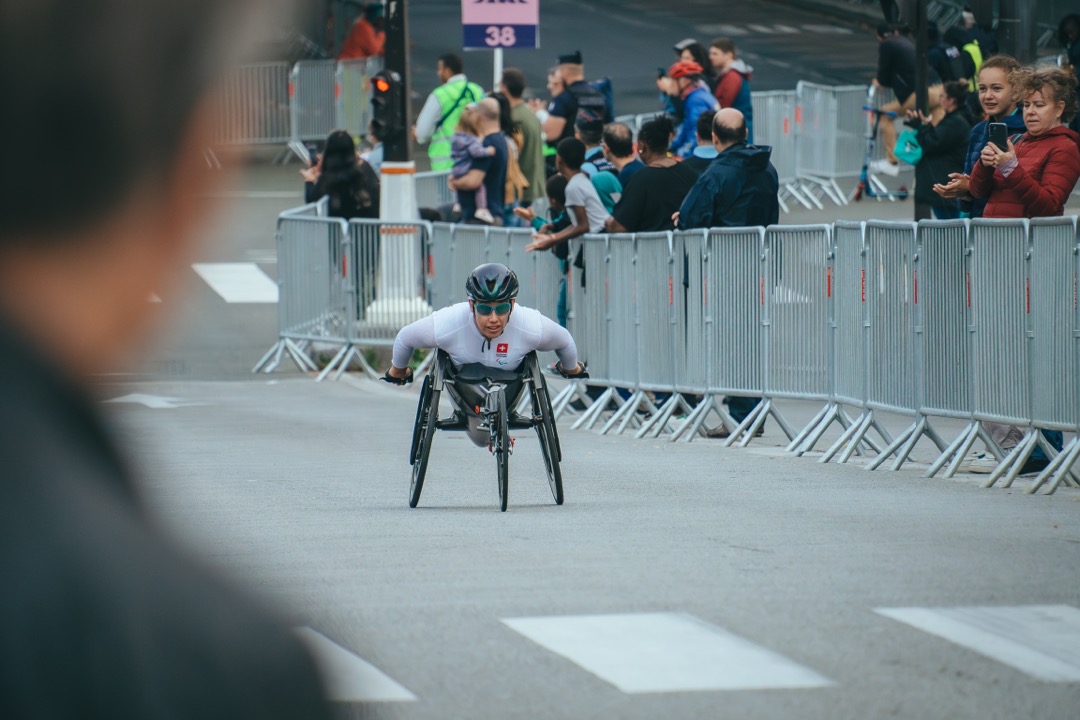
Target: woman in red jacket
1034	175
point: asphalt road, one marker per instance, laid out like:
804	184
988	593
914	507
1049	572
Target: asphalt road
758	578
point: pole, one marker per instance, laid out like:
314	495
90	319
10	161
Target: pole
922	68
396	148
497	65
398	301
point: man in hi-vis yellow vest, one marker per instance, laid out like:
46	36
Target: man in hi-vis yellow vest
439	118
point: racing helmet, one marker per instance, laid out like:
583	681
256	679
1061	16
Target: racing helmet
491	282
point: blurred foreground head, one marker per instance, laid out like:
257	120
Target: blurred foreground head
107	111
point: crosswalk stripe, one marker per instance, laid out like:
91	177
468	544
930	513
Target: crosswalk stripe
827	29
761	29
348	677
722	29
664	652
1042	641
238	282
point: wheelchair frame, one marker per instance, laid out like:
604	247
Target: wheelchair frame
495	416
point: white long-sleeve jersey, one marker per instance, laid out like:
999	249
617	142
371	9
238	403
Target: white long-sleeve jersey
454	330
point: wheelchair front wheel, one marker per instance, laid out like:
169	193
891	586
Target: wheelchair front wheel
502	451
547	433
427	413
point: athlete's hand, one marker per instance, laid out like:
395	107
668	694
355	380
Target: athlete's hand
541	241
398	376
579	372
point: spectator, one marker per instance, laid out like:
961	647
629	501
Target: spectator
618	144
578	95
443	107
558	221
1035	174
732	81
896	70
367	38
583	206
466	147
657	191
589	129
515	179
704	153
101	614
945	58
555	87
694	98
491	173
1069	37
739	188
342	176
373	156
942	145
996	98
531	152
690	50
1032	177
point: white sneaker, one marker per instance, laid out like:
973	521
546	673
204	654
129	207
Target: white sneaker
484	215
980	465
884	167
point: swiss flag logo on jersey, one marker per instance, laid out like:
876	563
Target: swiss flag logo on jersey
502	349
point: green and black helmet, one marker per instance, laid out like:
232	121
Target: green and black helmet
490	283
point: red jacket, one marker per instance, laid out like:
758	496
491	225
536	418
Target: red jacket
364	41
1040	184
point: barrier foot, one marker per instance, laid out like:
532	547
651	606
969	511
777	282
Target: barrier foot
797	194
696	419
1013	462
567	395
844	437
893	447
1065	460
626	412
659	422
783	205
650	408
806	439
660	418
342	357
809	194
1055	459
836	193
954	450
274	352
300	357
599	406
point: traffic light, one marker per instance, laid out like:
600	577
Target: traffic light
388	105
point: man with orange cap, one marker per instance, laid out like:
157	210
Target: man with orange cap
695	98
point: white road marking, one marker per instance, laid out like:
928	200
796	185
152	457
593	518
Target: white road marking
786	29
764	29
827	29
722	29
1040	640
348	677
664	652
238	282
154	402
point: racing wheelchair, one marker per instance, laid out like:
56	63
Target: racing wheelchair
484	401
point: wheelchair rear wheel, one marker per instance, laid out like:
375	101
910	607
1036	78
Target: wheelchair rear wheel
427	413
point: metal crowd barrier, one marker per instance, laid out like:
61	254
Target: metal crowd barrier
831	138
432	190
969	320
311	100
255	106
774	126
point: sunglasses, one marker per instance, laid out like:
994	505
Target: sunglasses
500	309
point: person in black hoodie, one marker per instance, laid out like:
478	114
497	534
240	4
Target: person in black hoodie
943	149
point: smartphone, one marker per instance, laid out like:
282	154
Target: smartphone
999	135
661	72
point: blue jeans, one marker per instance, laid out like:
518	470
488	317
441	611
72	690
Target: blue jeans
740	407
560	308
950	211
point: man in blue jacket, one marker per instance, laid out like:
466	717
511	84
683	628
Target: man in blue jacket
739	187
695	97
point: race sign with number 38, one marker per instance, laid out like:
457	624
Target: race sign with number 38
500	23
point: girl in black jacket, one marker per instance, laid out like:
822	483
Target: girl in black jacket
943	148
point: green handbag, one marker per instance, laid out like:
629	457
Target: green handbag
908	148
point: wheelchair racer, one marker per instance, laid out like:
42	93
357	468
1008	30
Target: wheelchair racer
490	328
